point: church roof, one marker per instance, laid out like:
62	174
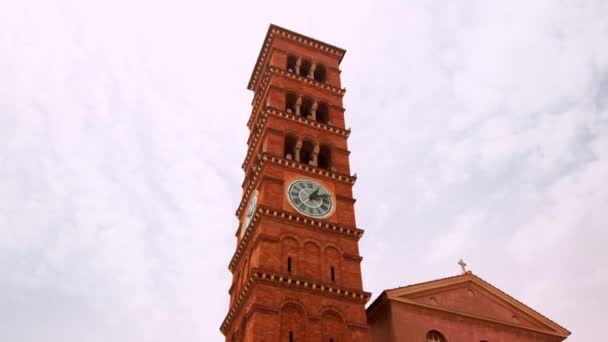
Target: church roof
468	277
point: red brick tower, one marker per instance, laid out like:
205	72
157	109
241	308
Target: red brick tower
296	269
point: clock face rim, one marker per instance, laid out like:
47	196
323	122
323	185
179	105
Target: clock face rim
293	205
249	212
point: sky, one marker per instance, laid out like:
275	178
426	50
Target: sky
479	131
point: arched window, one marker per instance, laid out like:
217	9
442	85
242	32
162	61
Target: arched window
306	152
324	159
292	323
290	147
291	63
323	113
304	68
333	327
434	336
290	102
306	109
320	74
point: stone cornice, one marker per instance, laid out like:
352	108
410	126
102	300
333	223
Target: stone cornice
287	280
314	171
306	121
273	31
264	211
318	84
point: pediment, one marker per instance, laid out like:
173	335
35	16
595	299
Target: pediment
471	296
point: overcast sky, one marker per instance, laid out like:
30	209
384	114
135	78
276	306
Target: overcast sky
480	130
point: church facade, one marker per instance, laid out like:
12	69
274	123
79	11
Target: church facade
296	267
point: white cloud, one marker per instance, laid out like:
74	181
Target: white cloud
479	131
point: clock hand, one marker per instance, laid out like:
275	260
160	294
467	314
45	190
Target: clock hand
314	194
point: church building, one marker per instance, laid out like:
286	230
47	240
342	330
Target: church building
296	268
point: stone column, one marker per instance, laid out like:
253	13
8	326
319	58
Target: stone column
298	63
315	155
313	111
298	105
298	148
311	73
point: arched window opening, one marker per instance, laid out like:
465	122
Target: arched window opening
333	328
324	159
290	102
289	264
320	74
434	336
304	68
323	113
306	109
290	147
291	63
333	274
292	323
306	152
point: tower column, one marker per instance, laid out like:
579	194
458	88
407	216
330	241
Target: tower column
298	148
315	155
311	72
298	105
298	63
313	111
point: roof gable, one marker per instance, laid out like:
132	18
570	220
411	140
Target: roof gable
470	295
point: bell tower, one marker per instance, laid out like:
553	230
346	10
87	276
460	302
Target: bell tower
296	268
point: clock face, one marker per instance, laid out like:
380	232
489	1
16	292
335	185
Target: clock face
310	198
253	201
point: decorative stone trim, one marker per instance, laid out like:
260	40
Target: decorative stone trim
312	169
273	31
293	75
350	232
253	143
258	97
293	282
237	305
265	157
309	122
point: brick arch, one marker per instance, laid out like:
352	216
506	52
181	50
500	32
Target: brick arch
333	325
333	245
293	319
290	254
291	98
306	153
311	259
292	237
325	157
306	107
332	257
290	141
436	335
291	62
320	72
323	111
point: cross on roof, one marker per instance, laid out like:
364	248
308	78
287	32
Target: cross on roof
463	265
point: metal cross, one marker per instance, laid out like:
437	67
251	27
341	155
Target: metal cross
463	266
